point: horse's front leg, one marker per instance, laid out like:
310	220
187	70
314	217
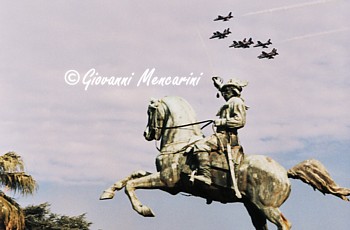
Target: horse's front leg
109	192
148	182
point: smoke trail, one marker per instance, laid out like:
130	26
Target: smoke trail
206	51
316	34
289	7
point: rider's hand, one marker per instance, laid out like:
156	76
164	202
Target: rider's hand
220	122
217	82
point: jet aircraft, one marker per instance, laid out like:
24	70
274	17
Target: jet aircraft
263	45
224	18
242	44
269	55
220	35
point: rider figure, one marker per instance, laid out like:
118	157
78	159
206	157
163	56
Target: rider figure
232	116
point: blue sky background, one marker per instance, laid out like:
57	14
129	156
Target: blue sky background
76	143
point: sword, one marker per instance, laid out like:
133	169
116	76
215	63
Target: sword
232	171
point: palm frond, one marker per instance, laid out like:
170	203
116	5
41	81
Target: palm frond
12	174
19	182
11	162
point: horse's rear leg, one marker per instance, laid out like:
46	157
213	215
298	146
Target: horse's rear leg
109	192
258	218
275	216
148	182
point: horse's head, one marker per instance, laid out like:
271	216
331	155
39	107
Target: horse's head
156	119
170	120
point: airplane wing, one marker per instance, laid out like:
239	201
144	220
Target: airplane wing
258	44
219	18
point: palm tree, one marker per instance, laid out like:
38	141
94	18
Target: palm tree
13	177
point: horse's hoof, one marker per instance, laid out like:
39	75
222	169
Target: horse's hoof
147	212
107	194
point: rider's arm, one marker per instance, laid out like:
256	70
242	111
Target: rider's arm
236	118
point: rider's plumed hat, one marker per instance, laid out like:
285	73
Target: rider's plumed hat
218	83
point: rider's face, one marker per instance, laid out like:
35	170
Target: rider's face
227	93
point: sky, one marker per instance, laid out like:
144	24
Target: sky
79	137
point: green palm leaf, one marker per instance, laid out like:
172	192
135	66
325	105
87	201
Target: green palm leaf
12	174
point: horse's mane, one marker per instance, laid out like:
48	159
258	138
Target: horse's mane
184	112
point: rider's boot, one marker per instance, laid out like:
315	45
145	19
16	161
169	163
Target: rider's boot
204	174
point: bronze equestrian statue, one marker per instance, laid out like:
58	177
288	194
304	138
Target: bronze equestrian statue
262	183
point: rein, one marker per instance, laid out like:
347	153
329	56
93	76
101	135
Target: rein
208	122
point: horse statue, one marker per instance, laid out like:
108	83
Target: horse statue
263	183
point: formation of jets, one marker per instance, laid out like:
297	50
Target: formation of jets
224	18
269	55
221	35
243	43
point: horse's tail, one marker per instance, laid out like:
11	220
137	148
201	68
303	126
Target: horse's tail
313	173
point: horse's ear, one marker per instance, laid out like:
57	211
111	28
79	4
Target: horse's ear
153	102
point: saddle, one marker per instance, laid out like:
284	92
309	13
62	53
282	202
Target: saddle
173	167
219	166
